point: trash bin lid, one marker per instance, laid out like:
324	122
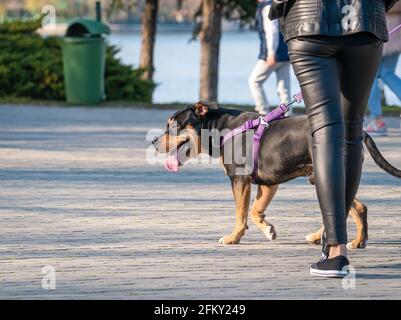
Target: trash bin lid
86	27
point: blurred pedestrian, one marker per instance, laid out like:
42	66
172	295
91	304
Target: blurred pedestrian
386	74
273	57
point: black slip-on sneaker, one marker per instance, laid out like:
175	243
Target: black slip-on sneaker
333	268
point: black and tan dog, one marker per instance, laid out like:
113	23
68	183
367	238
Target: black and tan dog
285	153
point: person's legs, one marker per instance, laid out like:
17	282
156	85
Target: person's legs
284	84
358	68
332	72
375	100
317	69
387	74
376	126
258	76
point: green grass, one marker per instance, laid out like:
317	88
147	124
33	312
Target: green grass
391	110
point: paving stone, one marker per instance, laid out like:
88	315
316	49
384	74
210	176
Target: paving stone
77	193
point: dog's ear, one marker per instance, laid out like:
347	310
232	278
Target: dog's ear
202	108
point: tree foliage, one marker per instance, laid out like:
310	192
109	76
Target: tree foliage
240	10
32	67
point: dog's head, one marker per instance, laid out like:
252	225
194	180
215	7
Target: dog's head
182	136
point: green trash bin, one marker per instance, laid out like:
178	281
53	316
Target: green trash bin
84	55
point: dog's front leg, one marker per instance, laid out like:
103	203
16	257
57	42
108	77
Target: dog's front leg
241	187
263	198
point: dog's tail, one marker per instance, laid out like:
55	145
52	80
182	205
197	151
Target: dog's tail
378	157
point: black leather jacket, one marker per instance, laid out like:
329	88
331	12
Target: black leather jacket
335	17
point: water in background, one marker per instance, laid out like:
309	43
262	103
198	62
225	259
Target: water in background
177	66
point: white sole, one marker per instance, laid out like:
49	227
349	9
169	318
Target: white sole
329	273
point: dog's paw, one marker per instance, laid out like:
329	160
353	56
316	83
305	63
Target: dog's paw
228	240
270	233
357	244
313	239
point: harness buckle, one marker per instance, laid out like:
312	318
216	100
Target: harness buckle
263	122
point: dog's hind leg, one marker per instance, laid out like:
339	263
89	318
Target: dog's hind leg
315	237
241	187
359	213
263	198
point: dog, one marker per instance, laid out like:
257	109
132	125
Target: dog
285	153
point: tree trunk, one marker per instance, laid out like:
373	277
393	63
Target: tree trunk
210	35
149	23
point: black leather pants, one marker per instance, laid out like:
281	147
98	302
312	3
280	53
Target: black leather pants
336	76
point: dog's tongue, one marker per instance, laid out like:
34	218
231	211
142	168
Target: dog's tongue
171	163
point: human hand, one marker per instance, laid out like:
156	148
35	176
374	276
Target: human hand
271	60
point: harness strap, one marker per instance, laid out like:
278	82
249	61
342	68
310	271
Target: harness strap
257	136
260	124
250	124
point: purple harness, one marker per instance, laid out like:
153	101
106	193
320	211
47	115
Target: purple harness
260	124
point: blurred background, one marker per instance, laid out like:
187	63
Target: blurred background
177	58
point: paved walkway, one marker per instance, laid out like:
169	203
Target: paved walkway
77	194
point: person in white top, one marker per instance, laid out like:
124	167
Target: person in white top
273	57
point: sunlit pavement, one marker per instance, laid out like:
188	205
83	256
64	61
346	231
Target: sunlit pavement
77	195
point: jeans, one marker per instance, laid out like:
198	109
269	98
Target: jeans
260	74
387	75
336	76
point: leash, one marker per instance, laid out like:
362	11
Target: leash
260	124
394	30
